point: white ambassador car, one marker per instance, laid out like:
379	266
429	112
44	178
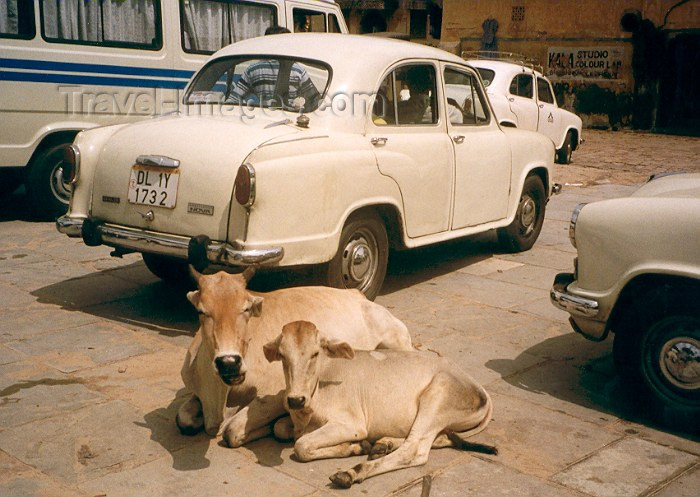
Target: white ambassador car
637	274
290	151
523	98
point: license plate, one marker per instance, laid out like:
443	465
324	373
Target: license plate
153	186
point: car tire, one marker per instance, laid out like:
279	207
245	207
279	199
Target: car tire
660	352
362	256
565	152
169	269
47	192
522	233
10	179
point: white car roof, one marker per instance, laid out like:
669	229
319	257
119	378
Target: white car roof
356	59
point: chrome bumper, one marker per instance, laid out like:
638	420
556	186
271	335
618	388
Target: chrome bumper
139	240
573	304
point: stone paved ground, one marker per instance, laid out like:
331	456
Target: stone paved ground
91	347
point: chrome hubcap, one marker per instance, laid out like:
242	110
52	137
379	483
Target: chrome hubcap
680	362
59	187
528	214
359	263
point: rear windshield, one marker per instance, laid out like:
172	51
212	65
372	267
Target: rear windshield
272	82
486	75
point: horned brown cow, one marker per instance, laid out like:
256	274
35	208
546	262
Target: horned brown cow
225	369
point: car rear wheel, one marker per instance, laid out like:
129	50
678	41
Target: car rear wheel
522	233
10	179
566	150
166	268
362	256
48	192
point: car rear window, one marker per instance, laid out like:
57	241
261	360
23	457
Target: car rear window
271	82
486	75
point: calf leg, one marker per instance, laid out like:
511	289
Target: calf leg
387	445
434	413
253	421
189	418
330	441
284	429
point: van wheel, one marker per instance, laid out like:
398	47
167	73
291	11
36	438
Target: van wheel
47	191
566	150
169	269
362	256
522	233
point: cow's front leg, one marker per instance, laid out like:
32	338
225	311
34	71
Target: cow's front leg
252	421
332	440
189	418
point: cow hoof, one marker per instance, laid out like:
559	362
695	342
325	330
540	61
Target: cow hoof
366	448
188	429
342	479
380	449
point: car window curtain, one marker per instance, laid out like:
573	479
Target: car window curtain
211	25
131	21
9	17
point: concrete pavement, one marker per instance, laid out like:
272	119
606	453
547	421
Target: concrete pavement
91	347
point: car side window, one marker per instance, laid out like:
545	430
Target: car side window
521	86
309	21
544	91
333	24
410	96
465	102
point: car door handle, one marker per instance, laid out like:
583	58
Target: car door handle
379	140
458	139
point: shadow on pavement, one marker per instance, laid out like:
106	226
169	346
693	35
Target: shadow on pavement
188	452
15	206
582	372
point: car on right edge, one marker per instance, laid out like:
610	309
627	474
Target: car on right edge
522	97
637	274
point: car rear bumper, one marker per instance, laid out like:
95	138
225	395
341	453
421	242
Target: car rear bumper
127	239
583	311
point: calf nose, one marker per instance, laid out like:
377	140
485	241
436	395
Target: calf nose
228	365
296	402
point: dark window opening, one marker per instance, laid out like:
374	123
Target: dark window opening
17	19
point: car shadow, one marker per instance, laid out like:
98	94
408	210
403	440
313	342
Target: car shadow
582	372
15	206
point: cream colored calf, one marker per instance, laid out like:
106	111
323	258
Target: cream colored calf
398	400
225	366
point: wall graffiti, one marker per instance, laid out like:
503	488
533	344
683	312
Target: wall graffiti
585	62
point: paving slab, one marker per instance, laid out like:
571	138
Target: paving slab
485	291
39	321
686	485
13	298
628	467
92	442
19	480
84	346
481	478
31	392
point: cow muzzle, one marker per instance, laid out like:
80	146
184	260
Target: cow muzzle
230	369
296	402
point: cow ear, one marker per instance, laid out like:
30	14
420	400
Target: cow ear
337	350
193	297
271	350
256	306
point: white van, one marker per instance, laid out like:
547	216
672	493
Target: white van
67	65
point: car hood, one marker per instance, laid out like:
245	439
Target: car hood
210	150
672	186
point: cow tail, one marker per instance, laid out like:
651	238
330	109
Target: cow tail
458	439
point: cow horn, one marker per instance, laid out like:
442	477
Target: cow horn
248	273
196	275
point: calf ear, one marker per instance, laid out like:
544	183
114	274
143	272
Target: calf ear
271	350
256	306
193	297
337	350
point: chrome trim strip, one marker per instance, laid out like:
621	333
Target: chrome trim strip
573	304
73	227
157	161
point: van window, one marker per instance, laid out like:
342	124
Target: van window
309	21
127	23
208	25
17	19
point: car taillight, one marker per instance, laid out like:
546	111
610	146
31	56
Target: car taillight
244	187
71	164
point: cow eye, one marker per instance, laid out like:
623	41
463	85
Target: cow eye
314	355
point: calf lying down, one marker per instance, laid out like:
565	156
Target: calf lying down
390	403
